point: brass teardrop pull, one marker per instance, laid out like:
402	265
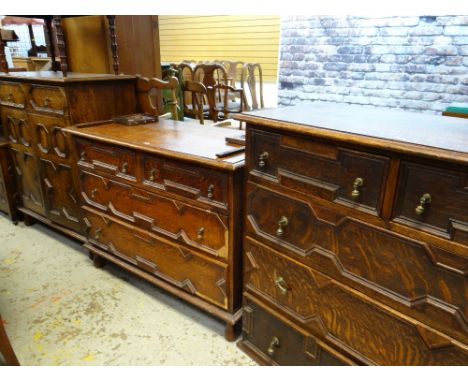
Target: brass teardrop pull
262	159
93	193
10	97
152	174
124	168
274	344
281	284
424	201
97	234
357	184
283	222
46	102
201	233
83	156
210	194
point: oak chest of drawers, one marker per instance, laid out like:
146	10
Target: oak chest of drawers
158	201
356	237
34	108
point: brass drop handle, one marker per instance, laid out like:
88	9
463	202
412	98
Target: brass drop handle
124	168
97	234
283	222
424	201
262	159
201	233
357	184
211	188
93	193
83	156
274	344
10	97
152	174
46	102
281	284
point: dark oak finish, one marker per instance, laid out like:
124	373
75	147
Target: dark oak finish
160	203
377	268
7	181
35	107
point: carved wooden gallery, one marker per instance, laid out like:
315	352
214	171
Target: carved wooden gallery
319	234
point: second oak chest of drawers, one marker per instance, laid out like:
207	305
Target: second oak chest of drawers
356	237
159	202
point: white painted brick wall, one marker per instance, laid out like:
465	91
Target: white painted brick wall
414	63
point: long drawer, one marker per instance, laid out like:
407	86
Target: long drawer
279	344
420	280
347	177
176	220
360	326
184	268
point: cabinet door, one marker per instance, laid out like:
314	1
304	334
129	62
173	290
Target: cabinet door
29	186
61	198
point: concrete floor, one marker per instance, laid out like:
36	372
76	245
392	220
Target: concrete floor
60	310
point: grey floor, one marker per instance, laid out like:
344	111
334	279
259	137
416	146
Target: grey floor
60	310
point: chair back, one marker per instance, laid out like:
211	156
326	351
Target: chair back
252	84
195	94
157	97
223	109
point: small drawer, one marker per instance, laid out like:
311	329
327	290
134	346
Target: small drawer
177	265
434	200
106	158
275	341
348	177
48	99
289	223
351	321
12	95
182	222
195	182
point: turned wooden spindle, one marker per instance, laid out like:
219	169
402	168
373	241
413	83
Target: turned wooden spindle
115	56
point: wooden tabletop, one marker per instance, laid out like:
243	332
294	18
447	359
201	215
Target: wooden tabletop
182	140
57	77
408	132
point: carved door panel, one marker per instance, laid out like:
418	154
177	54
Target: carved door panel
60	195
3	194
51	141
29	186
16	127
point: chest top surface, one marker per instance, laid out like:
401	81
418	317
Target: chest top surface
431	135
182	140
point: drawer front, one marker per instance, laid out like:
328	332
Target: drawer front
278	342
29	186
61	198
434	200
47	99
194	182
289	223
179	221
114	161
16	127
12	95
49	137
175	264
346	318
352	178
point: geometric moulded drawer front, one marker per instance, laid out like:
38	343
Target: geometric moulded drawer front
347	177
178	221
434	200
194	273
352	322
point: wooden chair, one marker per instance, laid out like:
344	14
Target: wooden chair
164	94
195	94
5	347
252	84
234	71
223	110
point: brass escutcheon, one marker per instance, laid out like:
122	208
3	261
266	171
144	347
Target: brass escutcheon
283	222
424	201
